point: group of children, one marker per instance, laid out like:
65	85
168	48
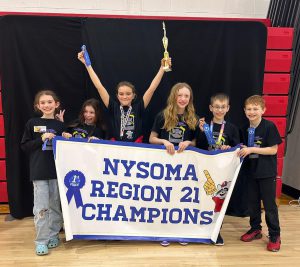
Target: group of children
176	126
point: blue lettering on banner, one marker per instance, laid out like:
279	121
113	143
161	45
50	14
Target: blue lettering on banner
207	217
175	216
104	210
120	212
85	212
136	213
173	171
130	191
156	171
143	193
107	212
128	167
142	172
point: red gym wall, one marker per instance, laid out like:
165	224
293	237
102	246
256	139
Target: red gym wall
276	85
3	187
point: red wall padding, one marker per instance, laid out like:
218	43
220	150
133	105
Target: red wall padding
2	147
278	186
276	83
280	38
276	105
280	123
278	61
2	133
3	192
279	166
1	103
280	151
2	170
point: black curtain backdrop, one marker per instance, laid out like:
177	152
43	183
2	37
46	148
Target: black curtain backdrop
41	52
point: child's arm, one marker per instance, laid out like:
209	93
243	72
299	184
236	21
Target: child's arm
153	139
154	84
95	79
29	143
270	150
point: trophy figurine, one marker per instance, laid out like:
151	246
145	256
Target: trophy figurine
166	53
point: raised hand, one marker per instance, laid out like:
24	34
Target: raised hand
60	115
167	61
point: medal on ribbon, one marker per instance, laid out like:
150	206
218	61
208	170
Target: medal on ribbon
124	119
44	147
251	134
74	181
219	141
209	136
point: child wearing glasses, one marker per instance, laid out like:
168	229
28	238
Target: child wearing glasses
217	133
225	134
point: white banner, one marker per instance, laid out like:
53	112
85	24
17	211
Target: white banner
128	191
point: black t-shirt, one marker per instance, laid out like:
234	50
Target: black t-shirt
180	133
133	128
230	137
85	131
261	166
42	166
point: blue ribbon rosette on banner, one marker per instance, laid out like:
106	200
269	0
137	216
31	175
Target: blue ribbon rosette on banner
74	181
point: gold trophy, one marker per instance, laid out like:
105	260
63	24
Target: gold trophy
166	53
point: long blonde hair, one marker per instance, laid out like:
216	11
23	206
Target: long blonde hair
171	110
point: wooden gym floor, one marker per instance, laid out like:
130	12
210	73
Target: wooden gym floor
17	247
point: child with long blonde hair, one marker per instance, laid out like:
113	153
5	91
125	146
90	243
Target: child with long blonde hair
176	124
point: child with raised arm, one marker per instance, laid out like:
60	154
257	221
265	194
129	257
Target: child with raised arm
89	124
219	134
37	141
176	124
127	114
260	166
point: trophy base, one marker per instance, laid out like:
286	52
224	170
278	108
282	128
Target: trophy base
167	69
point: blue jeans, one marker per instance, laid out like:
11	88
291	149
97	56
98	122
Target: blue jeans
47	212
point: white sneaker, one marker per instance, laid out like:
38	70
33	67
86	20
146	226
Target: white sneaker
165	243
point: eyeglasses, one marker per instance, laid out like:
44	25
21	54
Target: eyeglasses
220	108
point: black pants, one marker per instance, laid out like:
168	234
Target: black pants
265	190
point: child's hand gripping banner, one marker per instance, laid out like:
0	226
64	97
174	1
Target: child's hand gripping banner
127	191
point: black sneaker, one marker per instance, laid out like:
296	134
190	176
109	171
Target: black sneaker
220	241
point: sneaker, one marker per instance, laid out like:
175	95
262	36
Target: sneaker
165	243
183	243
220	241
251	235
53	242
274	243
41	250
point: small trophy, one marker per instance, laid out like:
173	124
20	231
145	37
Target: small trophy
166	53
